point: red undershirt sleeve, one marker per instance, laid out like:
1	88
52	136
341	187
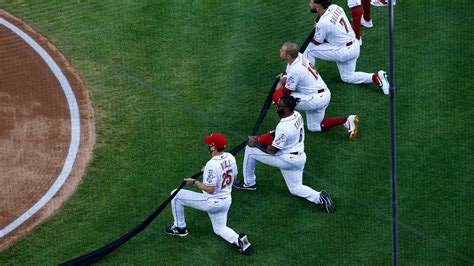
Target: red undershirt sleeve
287	91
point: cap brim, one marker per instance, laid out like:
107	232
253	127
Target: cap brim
208	140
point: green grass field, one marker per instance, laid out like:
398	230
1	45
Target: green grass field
162	74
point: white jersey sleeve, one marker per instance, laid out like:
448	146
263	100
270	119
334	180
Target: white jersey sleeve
209	175
292	78
320	31
220	172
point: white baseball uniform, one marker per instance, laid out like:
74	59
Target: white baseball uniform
309	87
220	172
353	3
337	43
289	139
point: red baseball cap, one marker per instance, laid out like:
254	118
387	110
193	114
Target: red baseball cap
216	139
277	95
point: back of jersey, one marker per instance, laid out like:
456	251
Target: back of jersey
289	134
220	172
335	26
303	77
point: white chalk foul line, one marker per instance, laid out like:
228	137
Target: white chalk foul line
75	129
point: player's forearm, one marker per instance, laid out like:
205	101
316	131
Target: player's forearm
269	149
203	187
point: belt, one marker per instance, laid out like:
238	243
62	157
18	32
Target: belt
313	41
321	90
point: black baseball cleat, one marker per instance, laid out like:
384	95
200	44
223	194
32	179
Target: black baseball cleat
176	231
327	201
239	184
245	248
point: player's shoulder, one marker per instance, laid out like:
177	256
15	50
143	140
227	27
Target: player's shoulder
328	15
282	125
294	117
333	7
324	21
337	10
219	158
297	114
297	64
228	156
211	163
287	122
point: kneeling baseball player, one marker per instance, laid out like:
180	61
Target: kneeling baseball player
303	81
218	176
285	151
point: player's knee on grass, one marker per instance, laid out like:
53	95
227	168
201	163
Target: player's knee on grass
346	78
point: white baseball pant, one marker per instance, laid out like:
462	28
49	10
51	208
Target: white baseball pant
345	58
216	208
315	107
291	167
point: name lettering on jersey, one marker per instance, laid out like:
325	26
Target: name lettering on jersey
298	122
225	164
337	12
304	61
309	66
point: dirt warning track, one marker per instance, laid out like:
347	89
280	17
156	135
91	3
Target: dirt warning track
47	129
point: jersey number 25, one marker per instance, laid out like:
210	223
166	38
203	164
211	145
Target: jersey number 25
226	178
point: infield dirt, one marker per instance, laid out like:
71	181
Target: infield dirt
35	128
